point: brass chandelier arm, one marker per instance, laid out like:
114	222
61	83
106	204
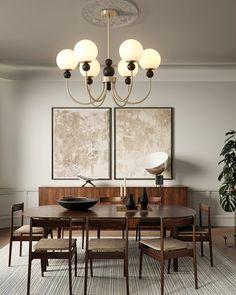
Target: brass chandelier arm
100	98
145	97
122	101
72	97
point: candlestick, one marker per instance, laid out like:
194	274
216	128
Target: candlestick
121	191
124	186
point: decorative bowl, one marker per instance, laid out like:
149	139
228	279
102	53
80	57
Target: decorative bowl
77	203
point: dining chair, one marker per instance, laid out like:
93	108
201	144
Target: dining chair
167	248
203	230
54	248
150	223
110	200
21	233
106	248
77	224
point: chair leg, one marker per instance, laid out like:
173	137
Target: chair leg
83	236
162	277
124	269
86	275
195	272
70	279
75	261
10	251
123	234
175	264
98	233
91	267
140	263
20	253
126	273
51	233
169	265
42	267
201	247
29	275
211	254
136	233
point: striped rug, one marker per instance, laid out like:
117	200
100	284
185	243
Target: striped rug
108	276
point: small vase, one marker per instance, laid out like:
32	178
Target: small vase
130	202
144	200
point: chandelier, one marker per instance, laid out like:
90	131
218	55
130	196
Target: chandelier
132	56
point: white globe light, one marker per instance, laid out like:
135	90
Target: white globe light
124	71
66	60
94	69
86	51
151	59
131	50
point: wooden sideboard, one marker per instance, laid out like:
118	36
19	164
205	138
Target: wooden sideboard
171	195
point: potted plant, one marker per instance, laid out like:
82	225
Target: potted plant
227	189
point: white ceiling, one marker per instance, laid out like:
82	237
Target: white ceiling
185	32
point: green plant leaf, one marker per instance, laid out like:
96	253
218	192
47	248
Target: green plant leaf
228	202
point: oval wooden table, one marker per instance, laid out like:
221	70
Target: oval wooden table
104	210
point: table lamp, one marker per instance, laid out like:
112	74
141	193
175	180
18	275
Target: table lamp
156	164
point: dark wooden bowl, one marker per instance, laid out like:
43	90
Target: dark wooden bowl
76	203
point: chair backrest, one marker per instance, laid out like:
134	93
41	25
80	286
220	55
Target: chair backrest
16	208
110	200
106	223
174	223
49	223
205	209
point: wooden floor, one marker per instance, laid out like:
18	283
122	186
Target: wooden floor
217	236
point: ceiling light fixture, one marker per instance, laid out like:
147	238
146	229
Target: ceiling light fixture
132	56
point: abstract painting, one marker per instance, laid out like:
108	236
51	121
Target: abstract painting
138	133
81	143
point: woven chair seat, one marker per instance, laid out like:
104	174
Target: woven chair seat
170	244
25	229
107	245
53	244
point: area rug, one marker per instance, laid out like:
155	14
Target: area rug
108	275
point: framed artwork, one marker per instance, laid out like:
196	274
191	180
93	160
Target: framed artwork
81	143
138	133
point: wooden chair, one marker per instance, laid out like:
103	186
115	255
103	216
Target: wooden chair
203	233
22	232
150	223
58	248
106	248
167	248
77	223
110	200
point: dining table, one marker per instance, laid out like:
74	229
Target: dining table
110	210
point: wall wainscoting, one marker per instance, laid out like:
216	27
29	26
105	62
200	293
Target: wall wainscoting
9	196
